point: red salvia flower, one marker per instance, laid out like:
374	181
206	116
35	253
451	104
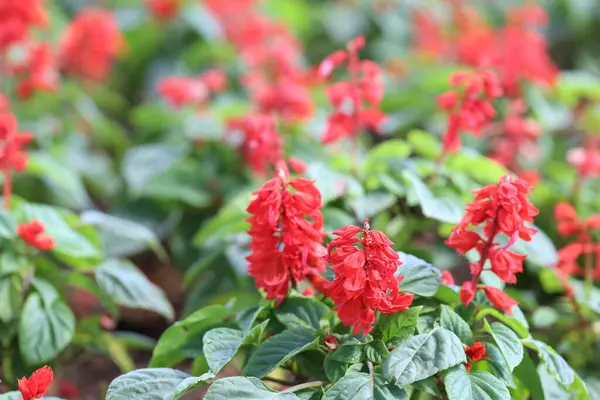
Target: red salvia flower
31	233
586	159
260	142
365	279
163	10
286	234
468	106
180	90
475	352
356	101
12	156
502	208
36	71
447	278
90	44
17	17
37	384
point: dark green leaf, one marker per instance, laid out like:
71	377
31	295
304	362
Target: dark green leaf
149	383
454	323
301	311
220	346
11	287
359	386
498	365
478	385
240	388
399	325
527	374
554	363
377	351
509	344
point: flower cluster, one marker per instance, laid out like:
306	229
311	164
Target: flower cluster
12	156
38	383
163	10
501	208
181	90
286	234
31	233
37	71
17	18
570	224
356	101
475	352
90	44
586	159
365	279
468	106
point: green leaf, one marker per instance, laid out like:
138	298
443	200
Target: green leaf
301	311
428	386
508	342
539	251
478	385
381	155
424	144
190	384
349	352
423	356
554	363
371	204
377	351
240	388
142	163
184	338
247	317
399	325
527	374
11	299
420	277
278	349
516	324
447	295
445	209
148	383
123	238
358	386
230	219
498	365
46	331
454	323
129	287
8	225
481	168
220	346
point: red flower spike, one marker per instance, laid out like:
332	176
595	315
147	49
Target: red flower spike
31	234
163	10
90	44
181	91
286	234
17	18
331	342
37	384
365	279
447	278
499	299
467	293
37	71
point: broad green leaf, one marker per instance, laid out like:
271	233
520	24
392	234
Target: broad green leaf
220	346
334	218
423	356
46	290
508	342
424	144
240	388
247	317
399	325
498	365
527	374
230	219
420	277
587	296
11	288
129	287
278	349
478	385
381	155
359	386
454	323
516	324
445	209
148	383
301	311
377	351
184	338
349	352
553	362
190	384
446	295
331	183
481	168
46	330
371	204
8	225
334	370
428	385
144	162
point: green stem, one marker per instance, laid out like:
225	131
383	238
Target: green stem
279	381
303	386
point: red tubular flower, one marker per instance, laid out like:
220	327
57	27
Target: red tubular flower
475	353
37	385
365	279
180	90
31	234
469	109
163	10
12	156
17	18
586	159
90	44
331	342
286	234
502	208
36	72
447	278
260	142
499	299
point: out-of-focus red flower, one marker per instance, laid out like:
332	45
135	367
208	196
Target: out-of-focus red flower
469	106
37	384
17	17
90	44
502	208
286	234
12	156
499	299
181	90
66	389
31	233
447	278
428	36
318	281
475	352
163	10
365	279
108	323
586	159
297	165
260	142
36	71
331	342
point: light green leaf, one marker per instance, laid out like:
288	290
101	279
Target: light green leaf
46	331
420	277
278	349
371	204
424	144
423	356
220	346
454	323
146	384
445	209
478	385
498	365
554	363
508	342
129	287
481	168
190	384
301	311
240	388
11	287
142	163
359	386
381	155
11	396
516	324
528	376
399	325
8	225
230	219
